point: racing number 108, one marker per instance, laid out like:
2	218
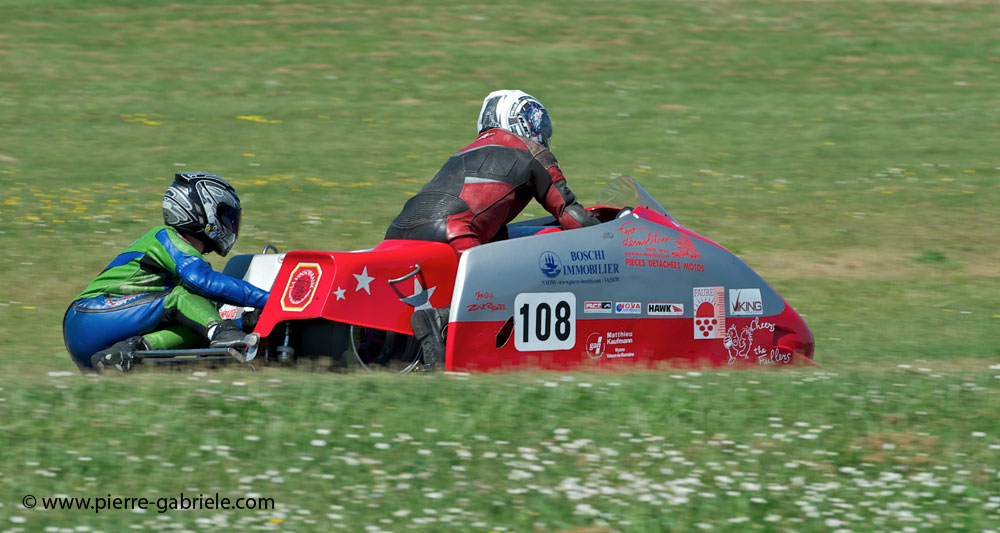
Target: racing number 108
545	321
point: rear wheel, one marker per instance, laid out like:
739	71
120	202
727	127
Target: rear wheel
320	344
378	350
315	344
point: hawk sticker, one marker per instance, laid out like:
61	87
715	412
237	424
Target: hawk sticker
664	309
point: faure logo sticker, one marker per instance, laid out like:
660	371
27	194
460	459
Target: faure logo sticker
709	312
743	302
664	309
597	307
628	308
301	286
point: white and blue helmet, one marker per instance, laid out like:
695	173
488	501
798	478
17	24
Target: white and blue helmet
517	112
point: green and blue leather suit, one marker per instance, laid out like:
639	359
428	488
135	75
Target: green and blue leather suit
160	287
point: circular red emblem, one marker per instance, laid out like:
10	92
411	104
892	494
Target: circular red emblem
301	286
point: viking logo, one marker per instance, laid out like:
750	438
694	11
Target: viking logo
745	302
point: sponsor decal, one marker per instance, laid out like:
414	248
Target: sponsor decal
773	357
228	312
598	269
597	307
709	312
550	264
588	263
488	305
618	344
301	286
595	345
646	248
584	266
485	306
612	344
619	337
586	255
743	302
741	344
628	308
634	235
115	301
664	309
652	262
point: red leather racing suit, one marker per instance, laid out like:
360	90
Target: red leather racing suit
482	188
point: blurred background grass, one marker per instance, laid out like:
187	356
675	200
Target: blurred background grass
846	150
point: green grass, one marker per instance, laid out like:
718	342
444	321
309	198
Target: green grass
806	451
846	150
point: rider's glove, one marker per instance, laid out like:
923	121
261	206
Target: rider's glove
249	320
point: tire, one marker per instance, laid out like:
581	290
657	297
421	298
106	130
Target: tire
380	350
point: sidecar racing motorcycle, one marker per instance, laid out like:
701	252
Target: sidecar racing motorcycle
638	290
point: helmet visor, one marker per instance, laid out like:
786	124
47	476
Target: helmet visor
229	218
546	128
536	120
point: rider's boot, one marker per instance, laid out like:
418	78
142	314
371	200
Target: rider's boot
429	328
227	334
120	356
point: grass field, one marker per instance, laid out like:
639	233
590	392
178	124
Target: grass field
845	149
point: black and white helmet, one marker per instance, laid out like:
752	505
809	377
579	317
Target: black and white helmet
205	206
517	112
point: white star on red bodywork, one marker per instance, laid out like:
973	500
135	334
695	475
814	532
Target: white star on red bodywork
364	280
420	299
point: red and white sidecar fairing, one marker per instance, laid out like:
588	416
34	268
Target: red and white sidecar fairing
638	290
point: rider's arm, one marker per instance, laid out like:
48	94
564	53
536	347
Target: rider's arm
197	275
551	191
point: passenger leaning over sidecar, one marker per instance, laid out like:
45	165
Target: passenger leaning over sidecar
483	187
160	293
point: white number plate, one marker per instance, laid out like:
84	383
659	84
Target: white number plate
544	321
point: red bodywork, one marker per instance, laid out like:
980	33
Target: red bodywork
373	303
379	288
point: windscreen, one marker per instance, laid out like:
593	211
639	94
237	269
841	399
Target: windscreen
623	191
